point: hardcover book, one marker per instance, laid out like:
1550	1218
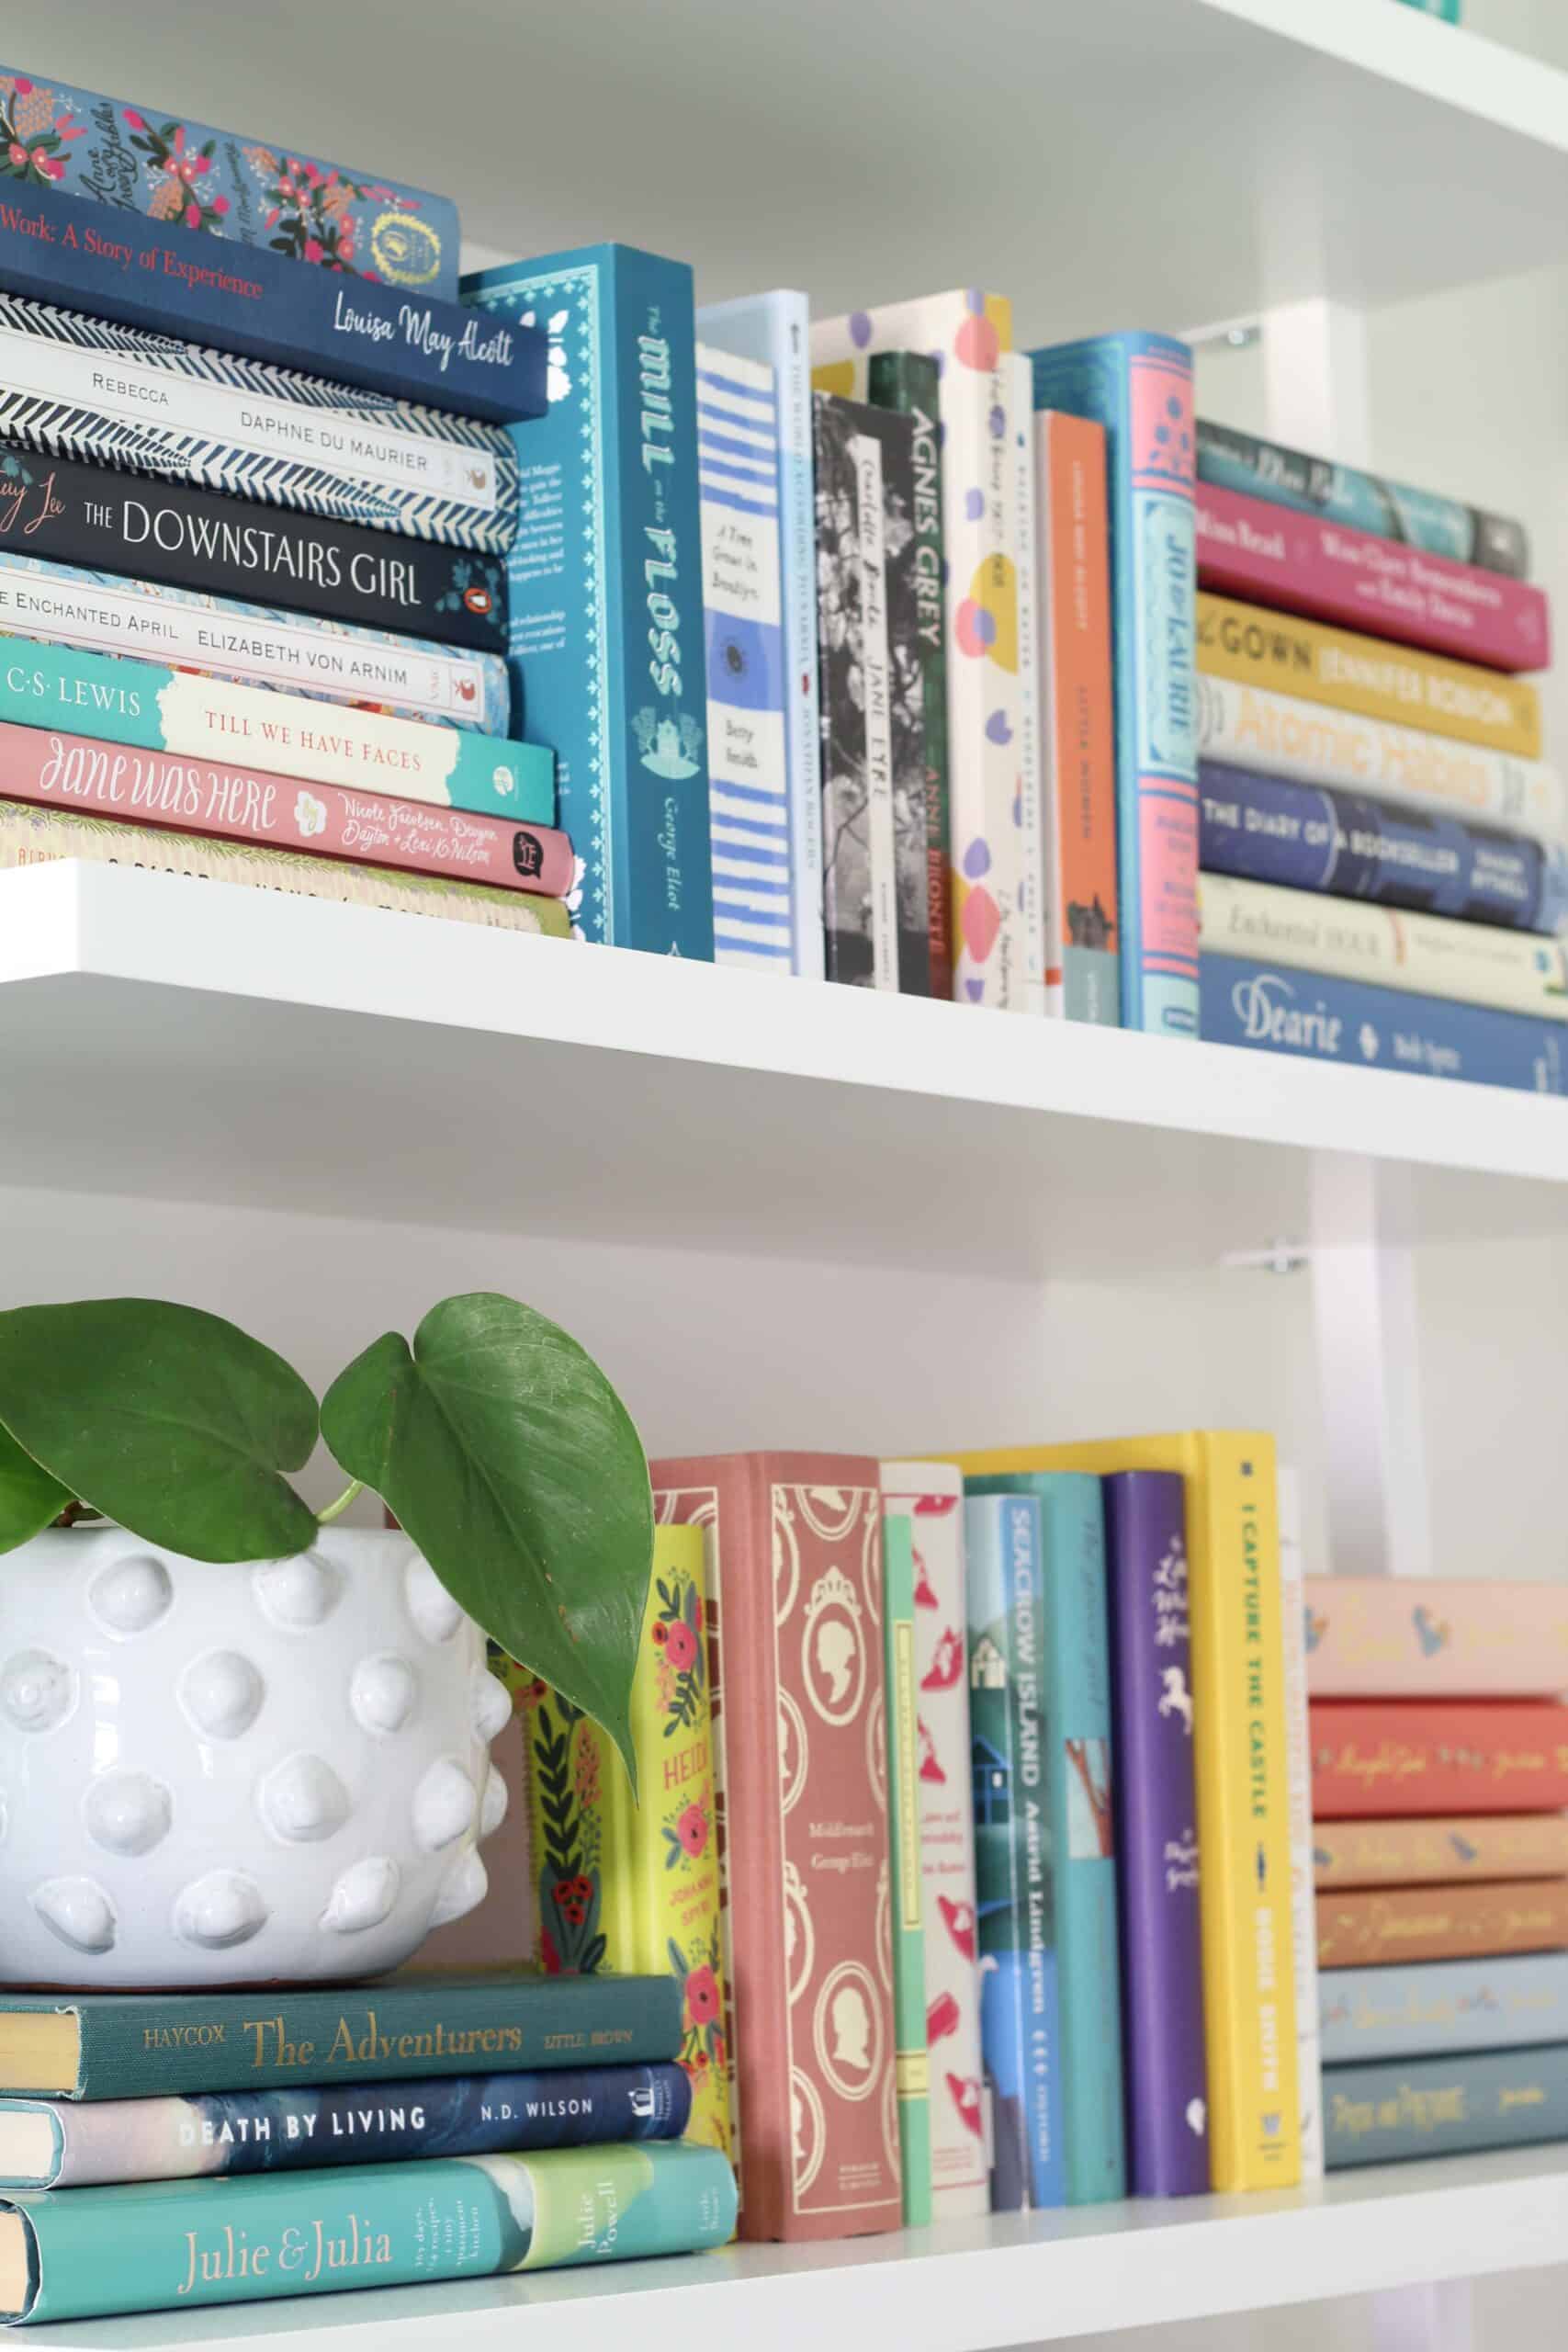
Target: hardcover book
366	331
900	1701
134	158
1157	1834
1362	501
1446	2107
1308	837
1367	675
794	1574
1242	1778
1298	1764
1139	388
1358	1927
1250	547
1075	1770
160	2246
82	389
930	1496
749	780
31	836
1374	1757
1413	1852
1445	2006
969	332
631	1887
1082	979
606	628
871	689
1431	1637
51	2144
774	330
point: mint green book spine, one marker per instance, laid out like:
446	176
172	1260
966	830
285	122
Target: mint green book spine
1444	2107
1076	1747
907	1906
174	2245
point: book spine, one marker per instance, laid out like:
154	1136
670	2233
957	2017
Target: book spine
1309	837
1082	979
1139	388
1445	2106
749	777
35	836
1247	1003
1444	2006
1276	734
859	872
930	1496
1251	548
906	703
1359	1928
1298	1759
148	707
246	2132
154	2246
1361	502
84	389
1371	1758
1425	954
1030	805
908	381
1255	647
899	1699
631	1888
1021	2021
71	773
133	160
606	623
253	644
1156	1843
373	334
1416	1852
1370	1638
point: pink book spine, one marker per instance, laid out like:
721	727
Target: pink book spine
1302	563
1409	1638
77	772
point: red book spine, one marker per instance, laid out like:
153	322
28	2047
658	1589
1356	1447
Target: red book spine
77	772
1417	1923
1374	1758
1302	563
794	1592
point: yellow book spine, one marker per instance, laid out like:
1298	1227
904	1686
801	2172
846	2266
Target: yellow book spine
1238	1697
1367	674
630	1889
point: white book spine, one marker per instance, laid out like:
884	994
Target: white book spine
1298	1789
1036	879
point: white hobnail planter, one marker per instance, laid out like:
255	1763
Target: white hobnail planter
257	1774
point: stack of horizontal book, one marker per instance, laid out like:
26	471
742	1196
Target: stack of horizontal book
162	2152
1439	1772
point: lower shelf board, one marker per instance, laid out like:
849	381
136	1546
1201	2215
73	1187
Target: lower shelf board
967	2287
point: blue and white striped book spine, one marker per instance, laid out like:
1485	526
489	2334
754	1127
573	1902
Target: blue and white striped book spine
775	330
1320	1019
1443	2006
738	483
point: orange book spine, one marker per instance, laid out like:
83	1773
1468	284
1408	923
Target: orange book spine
1420	1853
1073	564
1415	1923
1403	1756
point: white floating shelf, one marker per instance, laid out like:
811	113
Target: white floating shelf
188	1040
966	2288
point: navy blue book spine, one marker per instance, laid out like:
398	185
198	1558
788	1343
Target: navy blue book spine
147	274
1306	837
1319	1019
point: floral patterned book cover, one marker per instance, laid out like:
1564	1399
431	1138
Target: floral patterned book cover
633	1889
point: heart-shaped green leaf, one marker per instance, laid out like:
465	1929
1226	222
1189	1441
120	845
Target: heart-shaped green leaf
170	1421
29	1498
512	1462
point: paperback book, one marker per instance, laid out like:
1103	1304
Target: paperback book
1023	506
1413	1852
1436	1638
1372	1758
1444	2007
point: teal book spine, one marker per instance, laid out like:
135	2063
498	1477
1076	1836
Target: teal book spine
176	2246
1442	2006
114	698
1075	1764
1444	2107
901	1702
1139	387
133	2045
605	578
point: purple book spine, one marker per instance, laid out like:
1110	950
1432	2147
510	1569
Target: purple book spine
1156	1841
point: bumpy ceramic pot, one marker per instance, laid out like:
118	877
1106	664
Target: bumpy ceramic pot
227	1775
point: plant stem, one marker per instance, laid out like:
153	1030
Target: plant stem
335	1511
